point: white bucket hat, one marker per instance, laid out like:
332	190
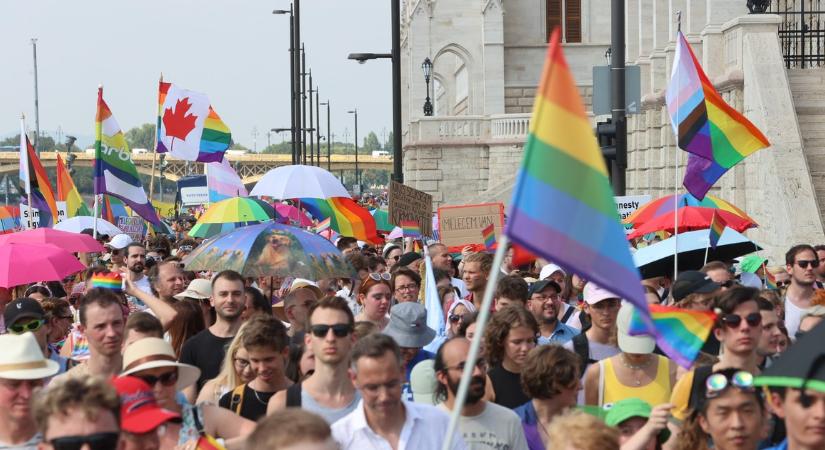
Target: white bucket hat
22	358
198	289
151	352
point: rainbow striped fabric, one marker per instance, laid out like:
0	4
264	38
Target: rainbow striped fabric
223	182
717	227
111	208
35	181
188	127
563	170
770	280
207	442
680	333
67	192
410	229
488	234
322	225
347	218
717	136
111	280
115	173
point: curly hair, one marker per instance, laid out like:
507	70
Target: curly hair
512	316
89	393
548	370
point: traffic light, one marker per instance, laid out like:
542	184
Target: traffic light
606	134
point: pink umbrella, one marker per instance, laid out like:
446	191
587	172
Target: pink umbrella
291	215
29	263
71	242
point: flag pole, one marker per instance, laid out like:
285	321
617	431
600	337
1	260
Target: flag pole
155	150
475	346
676	173
98	150
25	148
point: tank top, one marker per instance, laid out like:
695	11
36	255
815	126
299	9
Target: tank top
331	415
655	393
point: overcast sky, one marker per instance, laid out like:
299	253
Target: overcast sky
234	51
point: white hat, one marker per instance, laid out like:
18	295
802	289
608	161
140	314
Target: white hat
119	241
198	289
423	382
548	270
301	283
640	345
22	358
152	352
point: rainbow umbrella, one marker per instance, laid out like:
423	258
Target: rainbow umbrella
9	219
664	205
291	215
231	213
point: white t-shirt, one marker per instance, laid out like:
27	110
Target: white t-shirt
143	285
793	315
574	320
496	427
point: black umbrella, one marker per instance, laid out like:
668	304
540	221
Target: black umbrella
802	366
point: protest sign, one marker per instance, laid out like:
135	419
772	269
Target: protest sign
459	226
407	203
627	205
131	225
27	224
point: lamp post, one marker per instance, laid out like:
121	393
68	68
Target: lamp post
329	138
427	67
70	157
357	173
311	138
302	102
318	127
293	92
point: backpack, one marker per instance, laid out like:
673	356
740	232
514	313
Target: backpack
293	396
236	402
581	347
697	388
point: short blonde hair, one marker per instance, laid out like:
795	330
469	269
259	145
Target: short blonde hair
575	429
91	394
286	428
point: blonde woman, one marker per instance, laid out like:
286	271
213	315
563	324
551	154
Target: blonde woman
235	371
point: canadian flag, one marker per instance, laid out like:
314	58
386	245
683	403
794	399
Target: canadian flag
182	115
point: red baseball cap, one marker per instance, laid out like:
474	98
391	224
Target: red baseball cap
139	411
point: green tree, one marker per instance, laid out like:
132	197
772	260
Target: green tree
46	143
142	137
388	146
371	143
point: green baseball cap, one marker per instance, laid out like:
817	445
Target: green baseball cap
628	409
752	263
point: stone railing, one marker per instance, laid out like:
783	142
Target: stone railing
509	126
448	130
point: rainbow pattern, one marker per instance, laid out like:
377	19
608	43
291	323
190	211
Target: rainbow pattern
111	280
563	170
717	136
207	442
680	333
717	227
770	280
410	228
488	234
67	192
36	182
347	217
215	135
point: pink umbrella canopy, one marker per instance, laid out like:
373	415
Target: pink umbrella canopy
71	242
291	215
30	263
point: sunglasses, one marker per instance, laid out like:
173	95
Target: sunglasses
781	284
166	379
97	441
803	263
339	330
33	325
455	318
380	276
717	383
734	320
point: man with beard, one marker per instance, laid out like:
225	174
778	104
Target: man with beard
102	321
135	258
801	263
544	302
206	349
483	424
167	280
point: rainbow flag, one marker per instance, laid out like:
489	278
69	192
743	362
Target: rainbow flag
188	127
322	225
716	135
35	181
770	280
111	208
563	170
207	442
347	218
111	280
680	333
717	227
67	192
488	234
410	228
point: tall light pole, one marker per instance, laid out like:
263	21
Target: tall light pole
617	85
293	91
357	173
329	138
311	138
36	102
303	102
318	126
427	68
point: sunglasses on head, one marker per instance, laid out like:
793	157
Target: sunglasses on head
97	441
734	320
33	325
803	263
166	379
380	276
718	382
339	330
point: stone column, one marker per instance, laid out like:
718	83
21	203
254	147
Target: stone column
718	12
658	63
631	30
493	69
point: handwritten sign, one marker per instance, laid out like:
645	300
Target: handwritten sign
407	203
462	225
133	226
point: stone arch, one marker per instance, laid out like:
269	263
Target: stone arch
448	78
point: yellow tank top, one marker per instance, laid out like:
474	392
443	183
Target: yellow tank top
655	392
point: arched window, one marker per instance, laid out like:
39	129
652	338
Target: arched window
569	11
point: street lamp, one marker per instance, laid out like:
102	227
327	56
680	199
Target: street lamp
70	157
357	173
427	67
292	80
329	139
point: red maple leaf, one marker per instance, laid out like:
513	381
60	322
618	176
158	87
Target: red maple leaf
178	123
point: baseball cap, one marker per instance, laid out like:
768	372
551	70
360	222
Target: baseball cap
423	383
23	308
594	294
541	285
629	408
301	283
198	288
640	345
550	269
693	282
119	241
139	410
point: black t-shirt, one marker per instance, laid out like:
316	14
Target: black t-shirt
205	351
507	386
253	404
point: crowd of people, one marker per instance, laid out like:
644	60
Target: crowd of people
165	358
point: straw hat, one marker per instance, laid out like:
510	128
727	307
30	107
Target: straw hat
22	359
151	352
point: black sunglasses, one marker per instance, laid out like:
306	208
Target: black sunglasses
734	320
780	284
166	379
97	441
803	263
455	318
339	330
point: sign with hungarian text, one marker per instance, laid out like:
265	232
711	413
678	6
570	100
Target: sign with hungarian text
459	226
408	204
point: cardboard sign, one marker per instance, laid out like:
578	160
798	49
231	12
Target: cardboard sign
27	224
459	226
627	205
407	203
133	226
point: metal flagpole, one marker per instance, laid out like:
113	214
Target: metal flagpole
155	150
24	148
676	168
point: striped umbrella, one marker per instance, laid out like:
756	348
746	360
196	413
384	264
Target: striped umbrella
664	205
231	213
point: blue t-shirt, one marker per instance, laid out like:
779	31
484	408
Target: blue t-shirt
406	391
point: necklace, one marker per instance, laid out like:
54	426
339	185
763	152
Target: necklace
259	398
636	368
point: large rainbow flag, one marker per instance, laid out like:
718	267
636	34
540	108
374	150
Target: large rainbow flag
188	127
34	182
563	170
347	217
716	135
67	192
680	333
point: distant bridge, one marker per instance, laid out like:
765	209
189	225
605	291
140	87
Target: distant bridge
250	167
